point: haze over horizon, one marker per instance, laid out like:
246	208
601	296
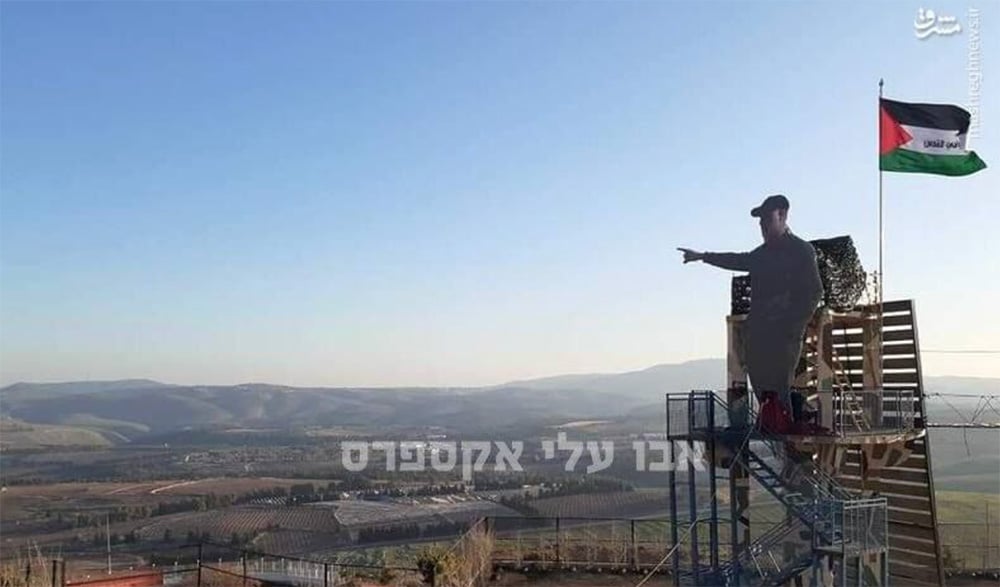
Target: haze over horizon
436	194
707	382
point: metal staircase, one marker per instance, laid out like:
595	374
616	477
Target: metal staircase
807	492
817	503
763	562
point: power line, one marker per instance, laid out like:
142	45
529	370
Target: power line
963	351
973	395
977	420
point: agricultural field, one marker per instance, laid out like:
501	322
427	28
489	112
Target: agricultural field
25	502
44	514
971	538
231	485
22	436
250	520
617	504
359	514
355	513
297	542
146	514
75	515
219	485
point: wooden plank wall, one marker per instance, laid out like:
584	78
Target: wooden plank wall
914	540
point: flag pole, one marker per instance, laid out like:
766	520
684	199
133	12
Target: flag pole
881	271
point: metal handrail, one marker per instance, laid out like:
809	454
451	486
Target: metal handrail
829	487
775	535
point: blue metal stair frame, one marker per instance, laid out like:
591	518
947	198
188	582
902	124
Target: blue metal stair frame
819	484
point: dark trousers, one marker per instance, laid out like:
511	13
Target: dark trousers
773	352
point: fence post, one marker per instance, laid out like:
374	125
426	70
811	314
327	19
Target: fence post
62	572
632	546
55	569
558	545
987	551
27	570
199	564
326	574
243	557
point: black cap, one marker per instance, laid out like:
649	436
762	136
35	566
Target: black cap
775	202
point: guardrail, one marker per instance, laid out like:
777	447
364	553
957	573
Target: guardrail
705	412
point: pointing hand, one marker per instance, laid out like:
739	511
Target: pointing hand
690	255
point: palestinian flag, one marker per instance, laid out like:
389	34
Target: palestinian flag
925	138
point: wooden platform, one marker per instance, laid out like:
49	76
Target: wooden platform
857	438
849	440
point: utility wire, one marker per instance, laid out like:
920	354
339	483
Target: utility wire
963	351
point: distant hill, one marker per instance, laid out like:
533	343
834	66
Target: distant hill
137	413
711	374
39	390
648	383
967	385
130	409
135	408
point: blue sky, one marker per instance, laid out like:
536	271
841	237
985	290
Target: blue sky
456	193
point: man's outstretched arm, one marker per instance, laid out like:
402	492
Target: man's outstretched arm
731	261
